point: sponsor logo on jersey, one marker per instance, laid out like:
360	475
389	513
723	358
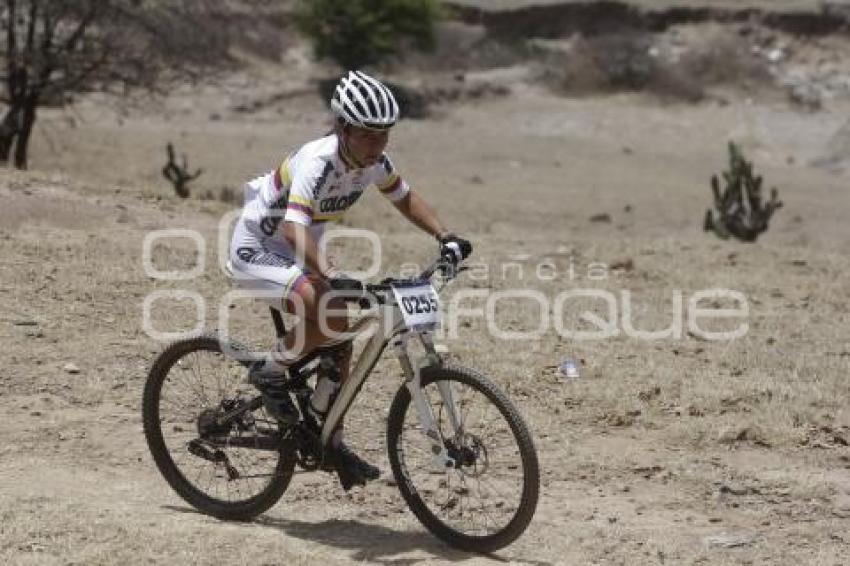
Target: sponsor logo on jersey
337	204
329	167
269	224
246	254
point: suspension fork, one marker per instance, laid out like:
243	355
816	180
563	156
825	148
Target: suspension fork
444	387
413	382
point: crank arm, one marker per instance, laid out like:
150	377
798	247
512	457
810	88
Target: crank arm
227	418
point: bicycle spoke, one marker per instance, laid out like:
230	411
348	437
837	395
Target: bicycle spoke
203	381
477	498
200	382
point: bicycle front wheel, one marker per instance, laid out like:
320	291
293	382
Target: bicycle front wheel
488	498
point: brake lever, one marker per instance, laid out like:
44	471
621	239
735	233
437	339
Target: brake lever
449	270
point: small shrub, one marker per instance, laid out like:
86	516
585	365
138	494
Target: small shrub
358	33
635	60
624	60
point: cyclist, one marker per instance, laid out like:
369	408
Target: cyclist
276	245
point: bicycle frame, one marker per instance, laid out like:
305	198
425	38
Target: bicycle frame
392	329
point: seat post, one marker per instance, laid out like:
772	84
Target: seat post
279	327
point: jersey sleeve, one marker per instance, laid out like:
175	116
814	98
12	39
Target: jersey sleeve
305	179
389	182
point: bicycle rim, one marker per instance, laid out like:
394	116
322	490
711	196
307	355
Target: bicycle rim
190	384
489	499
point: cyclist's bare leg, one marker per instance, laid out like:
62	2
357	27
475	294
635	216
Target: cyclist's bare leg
308	334
331	316
307	299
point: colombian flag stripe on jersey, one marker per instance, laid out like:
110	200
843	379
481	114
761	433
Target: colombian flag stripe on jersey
328	217
392	184
305	202
282	176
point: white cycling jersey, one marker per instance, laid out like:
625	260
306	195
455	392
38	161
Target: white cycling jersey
313	186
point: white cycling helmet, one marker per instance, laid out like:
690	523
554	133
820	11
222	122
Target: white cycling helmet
364	102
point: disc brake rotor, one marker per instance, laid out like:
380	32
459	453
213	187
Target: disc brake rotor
469	454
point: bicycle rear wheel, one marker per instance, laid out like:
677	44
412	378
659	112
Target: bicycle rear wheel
489	498
234	471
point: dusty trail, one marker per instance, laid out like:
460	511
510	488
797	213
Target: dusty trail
642	461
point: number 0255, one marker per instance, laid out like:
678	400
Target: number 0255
418	304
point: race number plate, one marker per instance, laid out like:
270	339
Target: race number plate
419	304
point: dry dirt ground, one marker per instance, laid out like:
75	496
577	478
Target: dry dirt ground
673	451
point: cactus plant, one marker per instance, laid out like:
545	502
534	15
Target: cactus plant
740	211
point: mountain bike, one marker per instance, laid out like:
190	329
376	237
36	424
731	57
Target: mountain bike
461	453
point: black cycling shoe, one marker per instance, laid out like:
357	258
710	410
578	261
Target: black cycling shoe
276	397
352	469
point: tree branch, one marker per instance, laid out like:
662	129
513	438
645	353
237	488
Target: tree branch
71	81
11	46
84	23
30	42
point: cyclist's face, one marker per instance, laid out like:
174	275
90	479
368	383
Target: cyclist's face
366	146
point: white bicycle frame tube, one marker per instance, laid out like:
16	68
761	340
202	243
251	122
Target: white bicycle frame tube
389	323
391	327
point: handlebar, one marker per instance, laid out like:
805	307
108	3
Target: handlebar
445	264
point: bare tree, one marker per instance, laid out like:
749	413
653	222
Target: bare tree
56	47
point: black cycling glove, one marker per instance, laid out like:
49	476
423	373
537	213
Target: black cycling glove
455	248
